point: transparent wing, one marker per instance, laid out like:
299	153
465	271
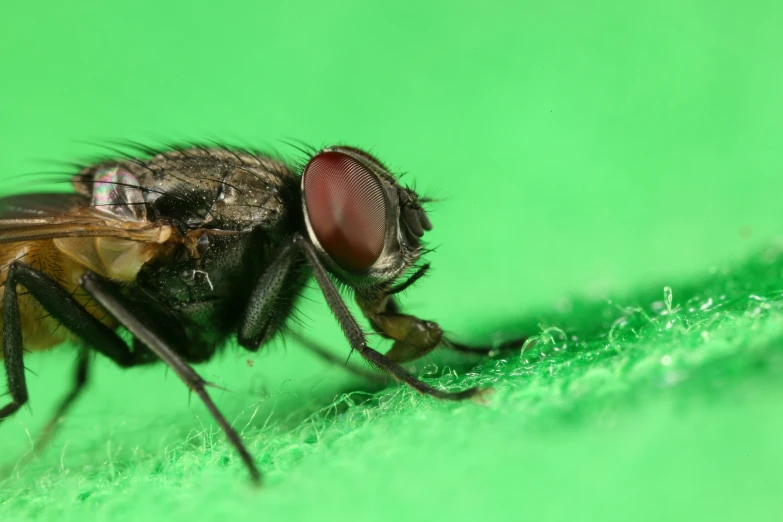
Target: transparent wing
31	206
47	216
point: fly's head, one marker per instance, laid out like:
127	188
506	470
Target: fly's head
365	225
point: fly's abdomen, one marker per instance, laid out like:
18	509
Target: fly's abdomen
39	330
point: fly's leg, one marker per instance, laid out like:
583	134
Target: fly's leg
415	338
61	305
12	351
505	346
327	356
356	337
72	315
106	294
80	380
265	309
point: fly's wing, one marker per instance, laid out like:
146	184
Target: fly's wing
32	206
115	210
79	223
108	233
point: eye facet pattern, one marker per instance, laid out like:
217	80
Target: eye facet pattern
346	207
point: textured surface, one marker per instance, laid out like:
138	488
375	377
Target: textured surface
664	403
585	158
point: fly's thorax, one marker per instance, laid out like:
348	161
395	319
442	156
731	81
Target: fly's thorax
208	188
210	292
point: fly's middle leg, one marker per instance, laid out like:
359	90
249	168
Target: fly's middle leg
108	295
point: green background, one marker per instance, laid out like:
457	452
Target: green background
586	155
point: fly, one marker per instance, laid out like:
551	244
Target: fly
188	247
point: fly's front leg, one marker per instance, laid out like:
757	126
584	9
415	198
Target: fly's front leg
413	337
357	339
269	305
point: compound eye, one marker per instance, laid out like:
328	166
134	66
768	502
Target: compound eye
346	207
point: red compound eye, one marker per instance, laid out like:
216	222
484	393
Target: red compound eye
347	209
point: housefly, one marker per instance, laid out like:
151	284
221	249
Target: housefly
186	247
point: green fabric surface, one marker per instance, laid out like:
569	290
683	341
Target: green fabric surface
608	176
